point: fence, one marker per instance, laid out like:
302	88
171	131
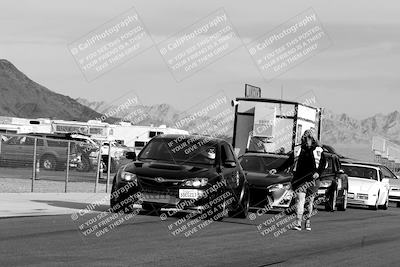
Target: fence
42	164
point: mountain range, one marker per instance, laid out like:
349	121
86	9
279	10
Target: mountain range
336	128
22	97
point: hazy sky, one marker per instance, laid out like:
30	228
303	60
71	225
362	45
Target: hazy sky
358	74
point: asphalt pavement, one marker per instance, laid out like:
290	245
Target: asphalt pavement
356	237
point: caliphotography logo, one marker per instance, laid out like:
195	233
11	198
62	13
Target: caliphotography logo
199	45
288	45
110	45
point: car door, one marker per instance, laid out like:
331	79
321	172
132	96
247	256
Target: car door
9	149
231	171
329	173
253	169
18	149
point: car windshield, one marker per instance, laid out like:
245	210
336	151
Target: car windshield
164	150
360	172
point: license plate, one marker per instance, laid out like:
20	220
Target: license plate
350	195
188	194
321	192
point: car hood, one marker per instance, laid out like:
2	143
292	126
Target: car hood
170	171
361	185
265	180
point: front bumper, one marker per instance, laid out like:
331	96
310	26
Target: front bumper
394	195
261	197
172	198
355	199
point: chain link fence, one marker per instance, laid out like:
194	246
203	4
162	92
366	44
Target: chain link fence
37	163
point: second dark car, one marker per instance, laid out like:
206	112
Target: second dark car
274	190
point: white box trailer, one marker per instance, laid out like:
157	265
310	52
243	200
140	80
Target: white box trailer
138	136
272	125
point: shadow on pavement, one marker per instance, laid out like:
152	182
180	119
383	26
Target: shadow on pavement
73	205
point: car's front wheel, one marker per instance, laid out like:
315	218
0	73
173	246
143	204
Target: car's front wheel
151	209
243	209
386	205
330	205
343	205
375	207
48	162
114	201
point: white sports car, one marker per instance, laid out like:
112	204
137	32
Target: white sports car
367	186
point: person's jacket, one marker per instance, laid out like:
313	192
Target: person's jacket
307	162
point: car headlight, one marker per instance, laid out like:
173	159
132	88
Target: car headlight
362	196
195	182
325	183
128	176
276	187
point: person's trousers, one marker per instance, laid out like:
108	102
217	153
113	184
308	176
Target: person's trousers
301	201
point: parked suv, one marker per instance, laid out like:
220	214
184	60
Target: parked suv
18	151
187	172
51	151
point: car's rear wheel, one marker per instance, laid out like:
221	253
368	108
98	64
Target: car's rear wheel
343	205
48	162
330	205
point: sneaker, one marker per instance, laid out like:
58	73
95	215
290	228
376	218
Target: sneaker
297	227
308	225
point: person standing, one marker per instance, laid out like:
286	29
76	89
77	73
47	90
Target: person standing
309	163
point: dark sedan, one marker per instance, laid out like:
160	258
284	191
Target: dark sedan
186	173
274	190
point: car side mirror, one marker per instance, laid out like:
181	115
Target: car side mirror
131	155
229	164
